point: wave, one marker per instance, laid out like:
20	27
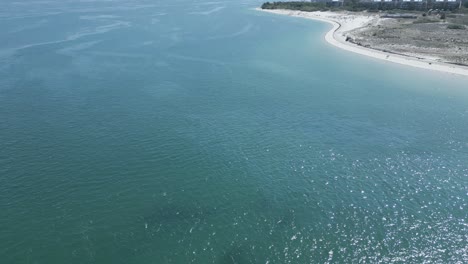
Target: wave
98	17
88	32
243	31
195	59
100	30
209	12
79	47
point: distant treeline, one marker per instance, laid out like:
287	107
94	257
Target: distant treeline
356	5
301	6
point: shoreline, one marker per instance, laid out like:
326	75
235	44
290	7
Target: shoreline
336	37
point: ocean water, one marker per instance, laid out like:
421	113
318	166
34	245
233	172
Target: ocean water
207	132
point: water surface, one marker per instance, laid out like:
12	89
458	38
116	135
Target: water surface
207	132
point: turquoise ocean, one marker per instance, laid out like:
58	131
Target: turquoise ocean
170	131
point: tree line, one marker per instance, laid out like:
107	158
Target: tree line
356	5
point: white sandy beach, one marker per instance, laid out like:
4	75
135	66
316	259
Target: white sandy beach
345	22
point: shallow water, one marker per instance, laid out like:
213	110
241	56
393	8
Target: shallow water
207	132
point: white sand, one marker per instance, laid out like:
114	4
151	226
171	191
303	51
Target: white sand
345	22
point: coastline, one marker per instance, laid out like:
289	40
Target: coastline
336	37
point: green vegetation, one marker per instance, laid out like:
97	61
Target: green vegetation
300	6
356	5
349	5
455	26
457	19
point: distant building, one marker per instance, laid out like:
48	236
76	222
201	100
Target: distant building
416	4
403	4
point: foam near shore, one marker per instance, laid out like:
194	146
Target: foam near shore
346	22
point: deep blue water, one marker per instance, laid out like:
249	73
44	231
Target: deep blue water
207	132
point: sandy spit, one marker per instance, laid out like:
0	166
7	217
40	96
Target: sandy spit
345	22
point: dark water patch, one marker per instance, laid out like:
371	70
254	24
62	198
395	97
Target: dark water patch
168	215
238	254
